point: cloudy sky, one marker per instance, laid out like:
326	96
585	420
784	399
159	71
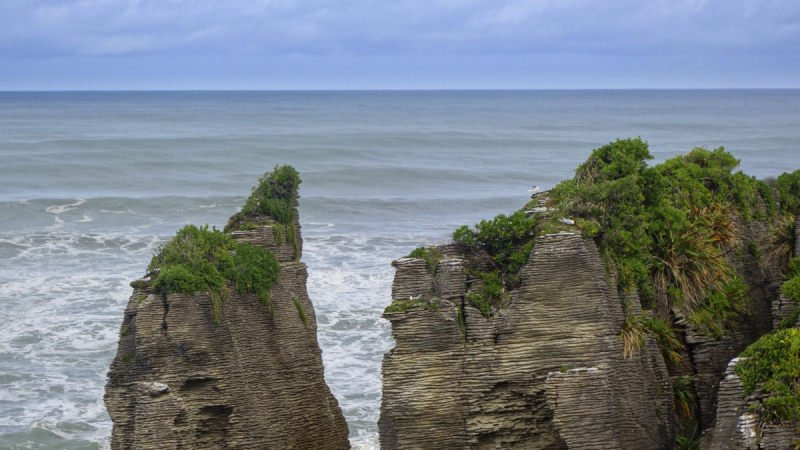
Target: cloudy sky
398	44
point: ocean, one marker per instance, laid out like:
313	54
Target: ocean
92	182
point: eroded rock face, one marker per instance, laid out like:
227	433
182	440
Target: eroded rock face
251	382
740	428
548	374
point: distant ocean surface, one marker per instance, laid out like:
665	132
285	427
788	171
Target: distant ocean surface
92	182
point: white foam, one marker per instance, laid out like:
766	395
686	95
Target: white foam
58	209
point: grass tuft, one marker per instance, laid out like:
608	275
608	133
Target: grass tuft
301	312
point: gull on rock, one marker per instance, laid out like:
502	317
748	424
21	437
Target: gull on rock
415	298
566	221
534	189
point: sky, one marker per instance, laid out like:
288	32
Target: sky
398	44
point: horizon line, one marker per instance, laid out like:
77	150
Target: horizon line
404	90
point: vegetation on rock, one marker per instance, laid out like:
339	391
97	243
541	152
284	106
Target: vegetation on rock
301	312
788	187
635	330
431	255
199	259
273	202
508	240
773	364
791	288
405	305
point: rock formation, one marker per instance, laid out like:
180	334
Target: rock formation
252	381
548	374
739	422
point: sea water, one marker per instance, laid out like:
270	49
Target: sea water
92	182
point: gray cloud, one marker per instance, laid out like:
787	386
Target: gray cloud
70	28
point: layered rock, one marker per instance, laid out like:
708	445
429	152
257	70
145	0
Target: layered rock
547	374
739	423
253	381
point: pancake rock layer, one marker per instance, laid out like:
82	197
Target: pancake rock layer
547	374
253	381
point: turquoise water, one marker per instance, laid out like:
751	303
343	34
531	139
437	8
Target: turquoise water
91	183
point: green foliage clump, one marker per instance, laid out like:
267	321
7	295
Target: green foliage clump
684	397
141	298
274	197
301	312
508	239
791	288
635	330
141	284
406	305
667	228
788	187
431	255
254	271
789	322
754	249
492	294
199	259
691	441
723	308
773	362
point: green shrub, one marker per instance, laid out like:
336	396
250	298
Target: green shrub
275	196
754	249
492	294
431	255
634	333
788	186
505	238
793	268
789	322
721	312
685	399
200	260
773	362
667	228
691	440
791	289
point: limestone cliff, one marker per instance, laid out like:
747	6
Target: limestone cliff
547	374
252	381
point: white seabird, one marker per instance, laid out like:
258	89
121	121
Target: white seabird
567	221
534	189
415	298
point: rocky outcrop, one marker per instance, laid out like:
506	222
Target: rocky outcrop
549	373
710	356
740	427
253	381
